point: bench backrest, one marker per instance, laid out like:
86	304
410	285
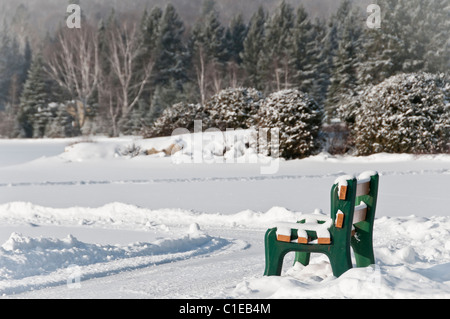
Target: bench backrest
353	205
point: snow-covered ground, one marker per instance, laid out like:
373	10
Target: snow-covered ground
83	220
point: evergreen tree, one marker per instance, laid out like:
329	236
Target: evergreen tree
318	66
150	35
384	50
34	113
306	52
437	24
150	31
344	78
13	68
208	52
413	37
252	49
170	63
211	35
278	48
235	35
170	67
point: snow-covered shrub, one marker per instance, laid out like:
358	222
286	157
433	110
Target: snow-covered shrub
178	116
131	151
233	108
298	118
407	113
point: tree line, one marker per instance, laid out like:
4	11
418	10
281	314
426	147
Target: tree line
118	74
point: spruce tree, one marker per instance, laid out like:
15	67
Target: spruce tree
318	66
306	51
252	49
384	50
208	53
170	63
437	21
278	48
34	112
234	37
344	78
170	58
150	36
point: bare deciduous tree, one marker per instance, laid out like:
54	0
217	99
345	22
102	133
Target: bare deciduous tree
73	64
124	46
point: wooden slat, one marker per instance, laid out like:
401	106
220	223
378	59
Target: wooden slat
360	213
342	192
302	240
324	241
339	219
363	189
284	238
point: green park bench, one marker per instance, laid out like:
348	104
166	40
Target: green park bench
350	226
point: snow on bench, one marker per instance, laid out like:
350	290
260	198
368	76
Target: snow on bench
310	222
349	227
363	187
321	224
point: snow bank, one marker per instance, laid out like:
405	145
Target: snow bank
211	146
27	262
377	158
413	261
123	216
412	253
22	256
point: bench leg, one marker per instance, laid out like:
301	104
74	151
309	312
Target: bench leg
302	257
274	255
363	249
340	260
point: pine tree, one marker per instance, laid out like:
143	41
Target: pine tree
437	24
319	65
278	48
234	37
208	52
13	67
384	50
306	52
150	38
252	49
163	42
170	65
34	113
344	78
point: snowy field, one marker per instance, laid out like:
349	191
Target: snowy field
82	220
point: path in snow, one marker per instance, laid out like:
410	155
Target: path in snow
211	275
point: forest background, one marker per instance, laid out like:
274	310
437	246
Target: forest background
138	67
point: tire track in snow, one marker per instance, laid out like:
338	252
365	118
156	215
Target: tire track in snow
207	179
62	276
